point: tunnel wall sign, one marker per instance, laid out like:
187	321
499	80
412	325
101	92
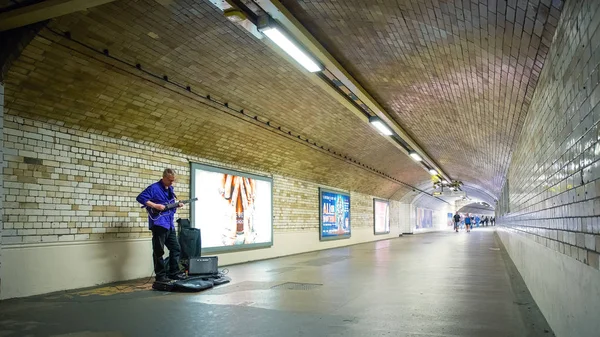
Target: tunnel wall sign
334	222
234	209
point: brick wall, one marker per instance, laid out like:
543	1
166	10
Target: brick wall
64	184
361	210
86	91
553	194
13	41
1	173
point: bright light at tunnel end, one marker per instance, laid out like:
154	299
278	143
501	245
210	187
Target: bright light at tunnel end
291	49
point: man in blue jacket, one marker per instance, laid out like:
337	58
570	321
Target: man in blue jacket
155	197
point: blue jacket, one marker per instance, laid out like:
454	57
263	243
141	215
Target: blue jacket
158	193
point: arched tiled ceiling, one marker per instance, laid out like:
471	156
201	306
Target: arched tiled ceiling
423	191
476	208
476	194
71	81
457	79
457	75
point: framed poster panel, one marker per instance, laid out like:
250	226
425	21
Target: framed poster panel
334	212
381	216
234	210
450	219
424	218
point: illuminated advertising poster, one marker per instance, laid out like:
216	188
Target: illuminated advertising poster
381	216
335	215
234	209
424	218
450	220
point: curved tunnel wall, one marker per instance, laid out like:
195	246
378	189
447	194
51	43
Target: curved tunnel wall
549	209
85	133
419	209
66	212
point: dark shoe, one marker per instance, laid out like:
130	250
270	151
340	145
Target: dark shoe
178	276
163	279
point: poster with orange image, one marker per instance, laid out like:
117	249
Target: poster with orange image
234	209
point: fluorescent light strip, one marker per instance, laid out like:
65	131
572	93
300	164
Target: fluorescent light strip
382	127
415	156
291	49
433	172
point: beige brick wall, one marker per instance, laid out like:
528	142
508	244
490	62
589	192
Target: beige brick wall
1	173
361	210
70	86
64	184
553	193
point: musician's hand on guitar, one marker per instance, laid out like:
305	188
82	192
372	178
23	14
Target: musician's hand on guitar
180	205
159	207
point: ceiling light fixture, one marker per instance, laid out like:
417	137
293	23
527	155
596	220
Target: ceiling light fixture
280	38
380	125
415	156
433	172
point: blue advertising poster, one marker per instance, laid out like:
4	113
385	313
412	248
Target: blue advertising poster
335	215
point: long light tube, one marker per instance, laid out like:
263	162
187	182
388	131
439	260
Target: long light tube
380	125
415	156
291	49
433	172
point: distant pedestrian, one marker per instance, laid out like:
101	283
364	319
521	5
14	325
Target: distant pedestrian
456	221
468	223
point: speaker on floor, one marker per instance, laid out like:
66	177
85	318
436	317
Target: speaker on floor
204	266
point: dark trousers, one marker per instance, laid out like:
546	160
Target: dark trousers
162	237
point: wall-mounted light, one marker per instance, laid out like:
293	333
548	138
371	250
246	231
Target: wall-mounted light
415	156
380	125
433	172
281	38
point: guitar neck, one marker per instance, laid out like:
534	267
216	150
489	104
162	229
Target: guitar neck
175	204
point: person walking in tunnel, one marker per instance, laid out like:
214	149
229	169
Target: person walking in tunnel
155	197
456	221
467	222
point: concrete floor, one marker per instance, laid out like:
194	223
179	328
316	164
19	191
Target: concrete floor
437	284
